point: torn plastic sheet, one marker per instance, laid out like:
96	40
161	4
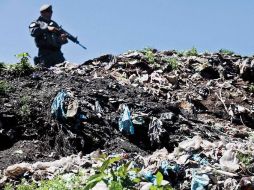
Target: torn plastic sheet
57	108
98	108
199	182
191	144
229	161
165	166
200	160
149	176
155	131
125	123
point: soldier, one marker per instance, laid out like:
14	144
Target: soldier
47	38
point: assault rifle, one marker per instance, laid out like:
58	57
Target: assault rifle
70	37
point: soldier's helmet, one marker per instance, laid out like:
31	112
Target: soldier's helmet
45	7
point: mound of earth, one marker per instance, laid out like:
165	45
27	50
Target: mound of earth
171	97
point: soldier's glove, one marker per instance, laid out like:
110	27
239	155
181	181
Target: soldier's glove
63	37
52	29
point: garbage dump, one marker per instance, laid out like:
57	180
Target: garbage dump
173	120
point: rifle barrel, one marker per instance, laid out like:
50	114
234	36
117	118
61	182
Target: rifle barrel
81	45
71	37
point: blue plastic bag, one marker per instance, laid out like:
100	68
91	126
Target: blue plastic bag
125	123
199	182
149	177
57	106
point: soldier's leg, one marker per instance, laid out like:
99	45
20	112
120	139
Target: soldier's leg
46	58
59	58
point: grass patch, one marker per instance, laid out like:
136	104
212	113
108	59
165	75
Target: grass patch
251	88
25	110
226	52
172	63
246	159
192	52
5	87
149	55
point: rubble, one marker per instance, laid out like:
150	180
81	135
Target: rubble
189	116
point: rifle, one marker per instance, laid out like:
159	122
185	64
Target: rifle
70	37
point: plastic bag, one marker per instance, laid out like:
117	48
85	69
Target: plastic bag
125	123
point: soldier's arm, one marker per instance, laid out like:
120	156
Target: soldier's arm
63	37
38	28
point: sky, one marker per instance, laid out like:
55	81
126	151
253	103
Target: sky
116	26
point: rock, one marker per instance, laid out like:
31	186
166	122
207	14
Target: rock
17	170
100	186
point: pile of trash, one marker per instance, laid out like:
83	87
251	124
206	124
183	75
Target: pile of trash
188	115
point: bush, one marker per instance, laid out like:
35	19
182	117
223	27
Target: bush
226	52
172	62
192	52
118	178
25	110
149	55
5	87
23	67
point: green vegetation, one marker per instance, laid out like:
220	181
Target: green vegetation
5	87
24	107
159	186
2	66
23	67
245	158
180	53
192	52
149	55
114	172
56	184
172	62
226	52
116	179
251	88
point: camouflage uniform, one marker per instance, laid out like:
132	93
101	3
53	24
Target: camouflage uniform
49	43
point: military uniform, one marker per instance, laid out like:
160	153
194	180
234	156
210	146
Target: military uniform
49	43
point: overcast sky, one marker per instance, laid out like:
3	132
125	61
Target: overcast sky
116	26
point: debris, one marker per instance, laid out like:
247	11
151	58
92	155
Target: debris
191	117
125	123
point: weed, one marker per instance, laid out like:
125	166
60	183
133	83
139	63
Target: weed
114	177
57	184
251	88
2	66
24	107
180	53
246	159
8	186
192	52
115	174
149	55
172	62
158	185
226	52
5	87
23	67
